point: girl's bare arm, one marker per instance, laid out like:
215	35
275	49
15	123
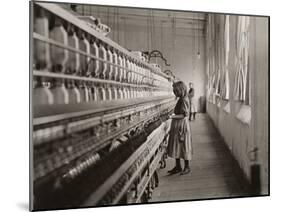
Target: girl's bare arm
180	116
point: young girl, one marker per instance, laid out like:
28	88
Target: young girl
191	97
180	143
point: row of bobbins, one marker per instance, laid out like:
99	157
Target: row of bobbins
83	55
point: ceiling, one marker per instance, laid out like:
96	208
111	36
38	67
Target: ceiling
154	17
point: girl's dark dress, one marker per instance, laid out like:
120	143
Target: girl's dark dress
180	142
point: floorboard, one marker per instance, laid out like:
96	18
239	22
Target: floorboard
214	173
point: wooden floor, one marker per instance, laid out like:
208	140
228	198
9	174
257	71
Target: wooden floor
214	173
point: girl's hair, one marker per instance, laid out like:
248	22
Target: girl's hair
179	89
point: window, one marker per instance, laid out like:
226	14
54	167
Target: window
225	77
241	90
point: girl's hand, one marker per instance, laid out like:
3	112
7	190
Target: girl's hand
170	116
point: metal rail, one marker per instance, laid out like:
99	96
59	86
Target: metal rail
57	113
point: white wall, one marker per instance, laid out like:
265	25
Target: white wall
181	56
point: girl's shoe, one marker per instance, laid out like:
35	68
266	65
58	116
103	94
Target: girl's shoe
175	170
186	170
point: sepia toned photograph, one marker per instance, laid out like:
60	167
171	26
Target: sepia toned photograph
144	105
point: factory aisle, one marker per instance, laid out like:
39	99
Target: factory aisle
214	173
